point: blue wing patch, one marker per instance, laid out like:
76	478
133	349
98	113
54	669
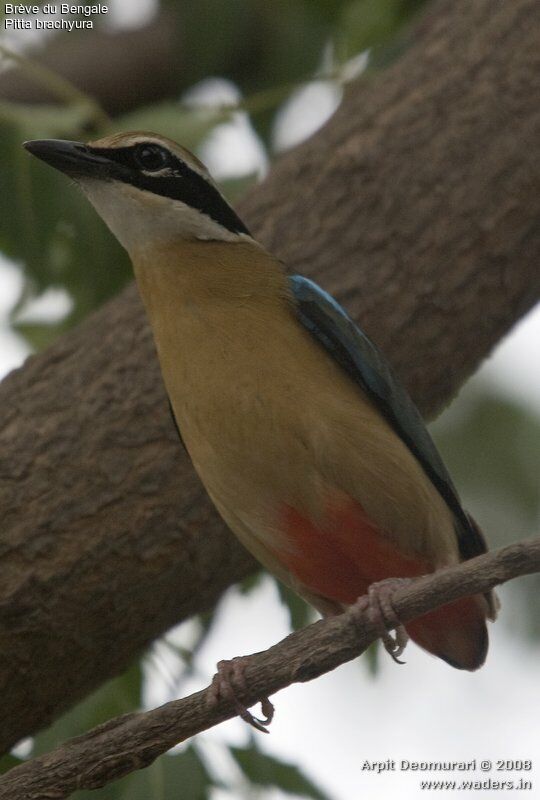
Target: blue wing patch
331	326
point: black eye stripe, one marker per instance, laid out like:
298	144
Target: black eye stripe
127	157
183	183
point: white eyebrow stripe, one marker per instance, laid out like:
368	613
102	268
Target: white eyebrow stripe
166	172
182	156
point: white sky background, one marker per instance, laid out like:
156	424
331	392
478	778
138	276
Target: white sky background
422	711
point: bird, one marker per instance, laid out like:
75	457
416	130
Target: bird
307	443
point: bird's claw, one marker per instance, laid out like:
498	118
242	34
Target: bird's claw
230	676
378	604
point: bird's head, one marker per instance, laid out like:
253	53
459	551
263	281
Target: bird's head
148	189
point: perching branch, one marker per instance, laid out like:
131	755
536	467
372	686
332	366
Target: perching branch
134	741
417	205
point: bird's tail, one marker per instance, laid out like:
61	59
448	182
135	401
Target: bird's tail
456	632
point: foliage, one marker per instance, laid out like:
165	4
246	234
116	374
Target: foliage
185	769
300	614
51	231
116	697
493	450
264	770
9	761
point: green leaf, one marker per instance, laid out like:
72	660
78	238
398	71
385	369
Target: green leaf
9	761
38	122
374	25
116	697
366	23
247	585
371	658
40	335
48	226
175	776
492	449
119	696
300	613
267	771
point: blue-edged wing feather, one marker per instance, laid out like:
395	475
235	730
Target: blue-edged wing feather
331	326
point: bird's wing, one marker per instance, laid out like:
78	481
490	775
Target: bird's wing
331	326
177	427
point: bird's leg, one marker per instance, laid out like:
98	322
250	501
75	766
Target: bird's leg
230	674
378	603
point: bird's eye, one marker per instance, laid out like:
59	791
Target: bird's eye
151	157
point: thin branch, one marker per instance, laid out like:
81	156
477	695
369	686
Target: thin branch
57	85
135	740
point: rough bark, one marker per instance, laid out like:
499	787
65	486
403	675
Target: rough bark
422	214
133	741
418	205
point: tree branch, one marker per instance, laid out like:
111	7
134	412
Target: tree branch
133	741
422	217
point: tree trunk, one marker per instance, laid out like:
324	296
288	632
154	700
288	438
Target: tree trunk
418	205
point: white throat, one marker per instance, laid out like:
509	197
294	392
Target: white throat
141	219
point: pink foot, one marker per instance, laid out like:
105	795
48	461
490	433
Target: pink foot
378	602
229	674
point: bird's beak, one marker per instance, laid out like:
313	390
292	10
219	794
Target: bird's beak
74	158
